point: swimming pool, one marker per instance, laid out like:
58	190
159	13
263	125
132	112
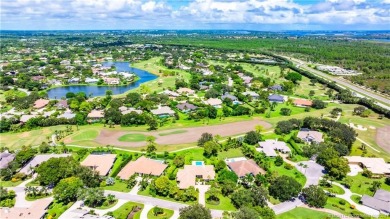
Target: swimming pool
198	163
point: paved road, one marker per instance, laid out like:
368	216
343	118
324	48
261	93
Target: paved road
312	170
286	206
344	83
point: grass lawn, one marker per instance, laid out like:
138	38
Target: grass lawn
172	132
273	200
108	206
356	198
132	138
119	186
192	154
167	214
86	135
146	193
123	211
361	185
30	198
334	204
294	173
334	189
304	213
224	204
57	208
9	183
234	152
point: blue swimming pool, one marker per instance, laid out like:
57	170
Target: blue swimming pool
199	163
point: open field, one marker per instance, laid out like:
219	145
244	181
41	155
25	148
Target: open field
304	213
192	135
383	138
132	138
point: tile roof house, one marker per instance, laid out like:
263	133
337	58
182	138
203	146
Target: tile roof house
380	201
310	136
36	210
130	110
5	159
163	111
187	176
62	104
377	166
244	167
215	102
184	90
276	98
102	163
142	165
96	114
38	159
270	146
302	102
186	107
40	103
111	81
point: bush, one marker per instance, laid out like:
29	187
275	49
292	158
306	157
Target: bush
157	211
342	202
288	166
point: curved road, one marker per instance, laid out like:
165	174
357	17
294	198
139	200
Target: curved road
383	100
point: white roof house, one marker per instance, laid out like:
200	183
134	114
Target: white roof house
270	146
215	102
164	110
374	164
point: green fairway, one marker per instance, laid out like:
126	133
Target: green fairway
167	214
304	213
173	132
132	138
86	135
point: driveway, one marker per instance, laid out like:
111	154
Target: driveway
312	171
286	206
202	191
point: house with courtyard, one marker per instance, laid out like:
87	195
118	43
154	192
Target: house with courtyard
376	165
102	163
188	175
5	159
276	98
269	147
303	103
37	160
142	166
309	136
163	111
244	167
380	201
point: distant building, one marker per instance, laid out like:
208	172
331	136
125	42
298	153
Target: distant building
91	80
96	114
215	102
112	81
229	96
252	94
276	98
184	90
310	136
163	111
276	87
303	103
25	118
38	159
170	93
40	103
62	104
186	107
67	115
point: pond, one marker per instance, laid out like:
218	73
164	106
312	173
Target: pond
144	76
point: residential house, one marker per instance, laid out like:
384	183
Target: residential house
112	81
270	146
25	118
171	94
186	107
276	87
376	165
244	167
65	62
62	104
74	80
5	159
310	136
380	201
102	163
142	166
276	98
96	114
187	91
130	110
38	78
252	94
38	159
187	176
67	115
303	103
215	102
40	103
91	80
37	210
163	111
229	96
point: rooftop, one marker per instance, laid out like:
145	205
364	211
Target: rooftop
142	165
36	211
187	176
40	103
244	167
373	164
38	159
100	162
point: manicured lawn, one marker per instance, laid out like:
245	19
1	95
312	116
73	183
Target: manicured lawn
123	211
10	183
335	189
172	132
30	198
334	204
57	208
108	206
118	186
86	135
292	173
224	204
304	213
361	185
356	198
132	137
146	193
235	152
167	214
192	154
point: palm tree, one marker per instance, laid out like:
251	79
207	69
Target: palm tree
111	198
34	191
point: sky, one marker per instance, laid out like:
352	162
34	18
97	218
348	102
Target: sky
266	15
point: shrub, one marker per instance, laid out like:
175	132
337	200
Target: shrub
288	166
342	202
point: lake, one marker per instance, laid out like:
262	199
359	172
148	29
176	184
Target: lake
144	76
